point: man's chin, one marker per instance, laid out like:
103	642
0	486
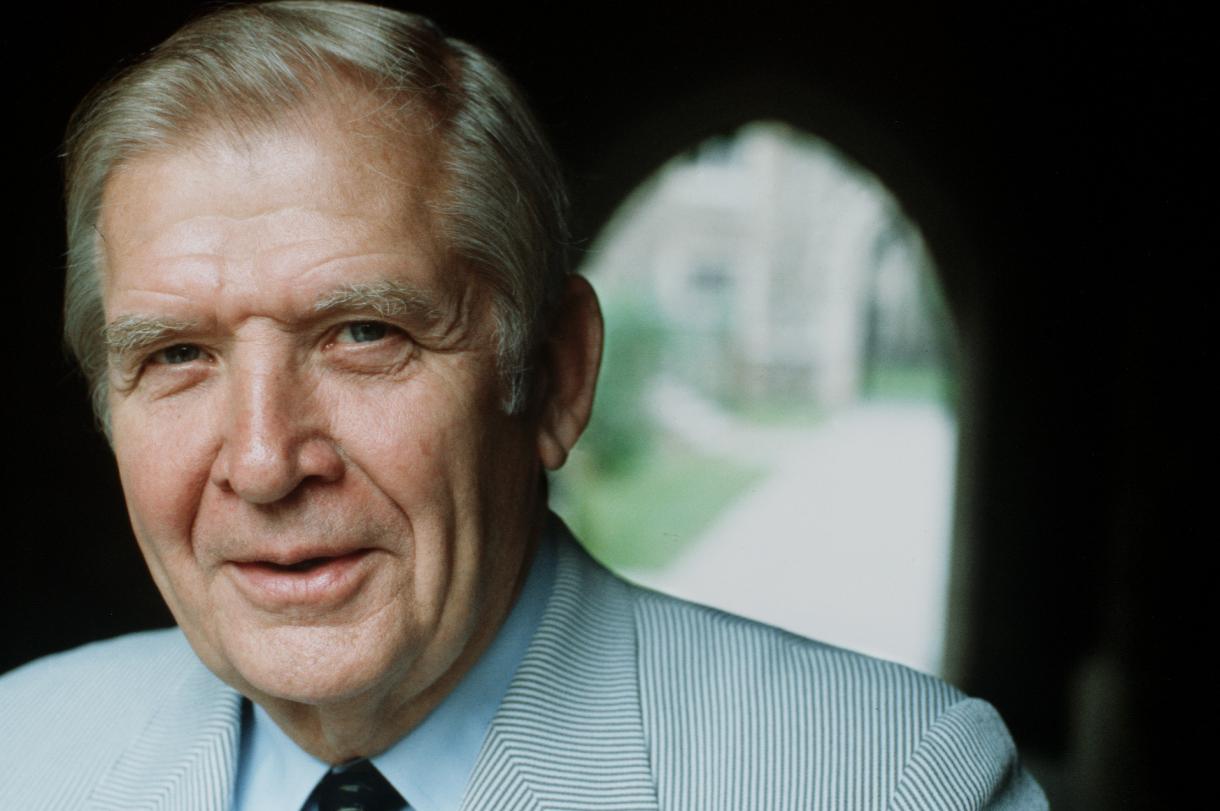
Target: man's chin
310	665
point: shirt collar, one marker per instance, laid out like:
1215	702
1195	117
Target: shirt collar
432	764
272	772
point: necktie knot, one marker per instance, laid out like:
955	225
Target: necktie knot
357	787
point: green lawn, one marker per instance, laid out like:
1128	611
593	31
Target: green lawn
780	413
645	515
909	383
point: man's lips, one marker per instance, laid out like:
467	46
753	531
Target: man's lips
301	579
294	554
300	566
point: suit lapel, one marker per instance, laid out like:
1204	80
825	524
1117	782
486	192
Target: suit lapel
186	758
569	732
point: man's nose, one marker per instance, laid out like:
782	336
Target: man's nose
275	440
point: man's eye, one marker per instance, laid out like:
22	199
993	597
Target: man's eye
362	332
179	353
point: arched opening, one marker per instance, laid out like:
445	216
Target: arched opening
775	432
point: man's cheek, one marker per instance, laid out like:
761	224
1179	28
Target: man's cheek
164	483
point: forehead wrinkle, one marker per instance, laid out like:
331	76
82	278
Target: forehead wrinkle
345	170
275	229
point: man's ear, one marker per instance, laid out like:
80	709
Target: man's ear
570	357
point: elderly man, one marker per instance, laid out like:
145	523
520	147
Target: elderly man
317	283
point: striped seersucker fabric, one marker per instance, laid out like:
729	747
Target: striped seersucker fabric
626	699
133	723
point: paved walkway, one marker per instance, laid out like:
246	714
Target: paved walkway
845	541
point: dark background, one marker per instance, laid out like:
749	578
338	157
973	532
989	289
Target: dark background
1053	159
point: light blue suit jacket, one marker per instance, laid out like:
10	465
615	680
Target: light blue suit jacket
626	699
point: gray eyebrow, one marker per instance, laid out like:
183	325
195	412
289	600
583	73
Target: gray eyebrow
387	299
131	333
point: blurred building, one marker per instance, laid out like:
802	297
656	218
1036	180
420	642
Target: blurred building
781	271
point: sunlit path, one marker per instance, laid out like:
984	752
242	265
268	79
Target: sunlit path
847	539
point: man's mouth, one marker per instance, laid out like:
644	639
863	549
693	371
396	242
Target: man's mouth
317	580
302	566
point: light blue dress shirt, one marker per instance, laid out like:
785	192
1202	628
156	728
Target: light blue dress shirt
432	764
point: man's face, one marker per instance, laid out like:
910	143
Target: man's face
305	412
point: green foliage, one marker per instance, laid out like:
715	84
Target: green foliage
621	428
645	515
635	499
911	383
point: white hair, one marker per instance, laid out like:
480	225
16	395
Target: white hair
502	206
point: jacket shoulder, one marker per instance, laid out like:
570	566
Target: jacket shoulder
121	652
712	645
66	718
741	713
130	665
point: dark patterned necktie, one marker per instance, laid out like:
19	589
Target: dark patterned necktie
358	787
